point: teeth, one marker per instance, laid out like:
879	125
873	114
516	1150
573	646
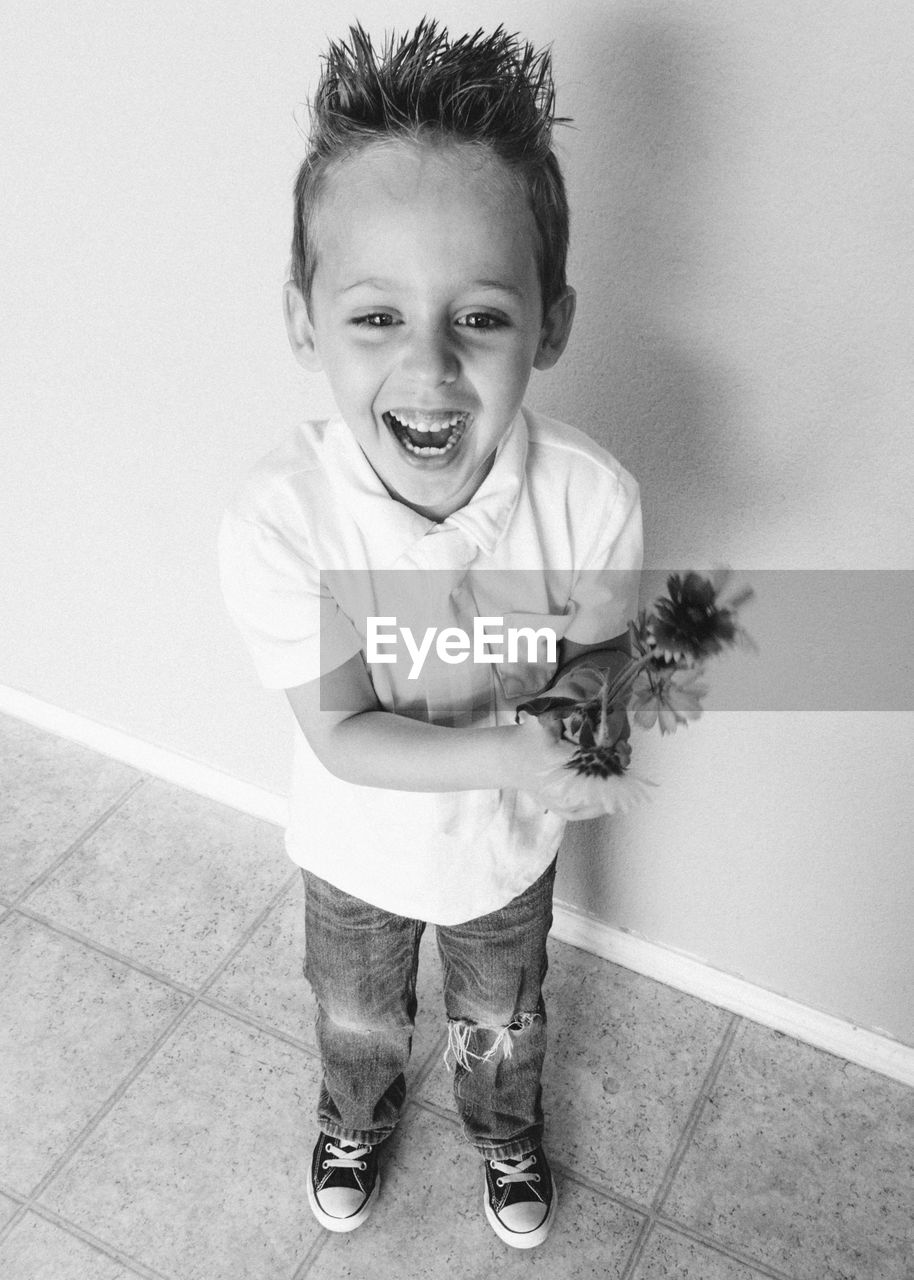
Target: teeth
429	451
424	425
454	427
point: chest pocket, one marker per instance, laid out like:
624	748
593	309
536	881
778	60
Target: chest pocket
529	644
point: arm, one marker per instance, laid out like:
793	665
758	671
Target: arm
606	655
581	669
361	743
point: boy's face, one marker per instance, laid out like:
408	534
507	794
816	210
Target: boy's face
426	314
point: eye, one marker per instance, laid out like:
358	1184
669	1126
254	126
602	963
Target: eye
374	320
481	320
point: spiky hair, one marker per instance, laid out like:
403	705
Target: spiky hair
492	90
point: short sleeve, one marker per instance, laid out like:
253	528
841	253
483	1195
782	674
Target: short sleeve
605	594
293	628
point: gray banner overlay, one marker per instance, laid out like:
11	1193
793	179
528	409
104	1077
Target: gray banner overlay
825	640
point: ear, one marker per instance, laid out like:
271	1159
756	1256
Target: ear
299	328
555	331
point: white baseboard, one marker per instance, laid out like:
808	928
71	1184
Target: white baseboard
824	1031
161	762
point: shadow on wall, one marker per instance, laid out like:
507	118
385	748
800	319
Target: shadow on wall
642	249
651	385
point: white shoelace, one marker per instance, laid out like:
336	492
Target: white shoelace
351	1159
515	1170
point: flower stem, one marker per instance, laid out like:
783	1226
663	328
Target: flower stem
604	706
625	679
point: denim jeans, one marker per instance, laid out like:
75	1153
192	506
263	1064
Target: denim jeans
362	962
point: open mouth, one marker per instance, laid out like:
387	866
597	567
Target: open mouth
427	435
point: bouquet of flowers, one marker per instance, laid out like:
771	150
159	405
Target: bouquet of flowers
661	683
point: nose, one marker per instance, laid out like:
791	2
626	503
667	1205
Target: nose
430	357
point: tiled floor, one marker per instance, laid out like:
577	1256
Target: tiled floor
158	1075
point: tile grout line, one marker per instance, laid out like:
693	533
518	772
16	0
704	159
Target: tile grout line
243	940
196	997
698	1107
651	1219
72	1150
80	840
433	1109
157	975
257	1024
425	1069
708	1242
140	1066
107	1106
568	1174
734	1253
138	966
316	1248
654	1215
110	953
141	1269
453	1120
685	1139
657	1218
614	1197
641	1242
312	1253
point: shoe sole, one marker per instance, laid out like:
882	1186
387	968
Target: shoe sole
343	1224
526	1239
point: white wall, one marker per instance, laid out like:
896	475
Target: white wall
741	178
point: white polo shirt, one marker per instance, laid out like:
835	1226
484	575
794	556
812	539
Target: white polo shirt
313	546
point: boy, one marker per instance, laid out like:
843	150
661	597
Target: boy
428	281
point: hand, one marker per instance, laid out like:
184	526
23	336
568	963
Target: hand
564	791
543	759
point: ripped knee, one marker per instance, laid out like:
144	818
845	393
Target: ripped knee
461	1032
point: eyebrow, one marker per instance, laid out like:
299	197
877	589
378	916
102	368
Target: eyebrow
382	283
374	281
500	285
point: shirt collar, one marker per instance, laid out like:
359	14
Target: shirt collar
392	529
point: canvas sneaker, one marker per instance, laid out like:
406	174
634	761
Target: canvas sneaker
520	1199
344	1182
